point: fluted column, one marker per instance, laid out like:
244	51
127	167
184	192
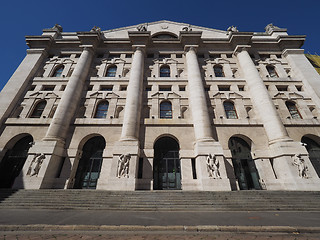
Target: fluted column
132	112
197	98
66	109
261	99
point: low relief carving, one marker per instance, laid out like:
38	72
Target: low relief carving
213	166
35	164
123	165
142	28
302	168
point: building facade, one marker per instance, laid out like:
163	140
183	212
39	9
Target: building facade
162	106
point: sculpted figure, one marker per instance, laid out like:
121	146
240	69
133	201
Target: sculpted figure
187	29
37	160
302	168
213	166
58	27
142	28
270	27
95	29
123	165
232	29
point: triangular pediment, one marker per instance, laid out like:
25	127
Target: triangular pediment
103	95
166	95
165	27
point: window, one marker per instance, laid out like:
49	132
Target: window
148	88
282	88
224	88
182	88
229	55
102	109
166	110
63	87
178	55
90	87
32	87
114	56
218	71
111	71
299	88
165	71
230	110
106	88
38	110
161	56
200	55
272	71
128	55
58	71
123	88
293	110
214	56
207	88
164	88
47	88
241	88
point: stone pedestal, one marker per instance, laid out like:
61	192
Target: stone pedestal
42	166
124	183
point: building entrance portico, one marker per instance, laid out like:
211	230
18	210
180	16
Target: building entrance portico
166	170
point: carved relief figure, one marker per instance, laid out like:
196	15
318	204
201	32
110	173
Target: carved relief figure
302	168
123	165
37	160
213	166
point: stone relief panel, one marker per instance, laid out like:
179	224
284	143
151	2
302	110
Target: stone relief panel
123	165
213	166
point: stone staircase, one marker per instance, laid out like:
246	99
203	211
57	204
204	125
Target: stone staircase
160	200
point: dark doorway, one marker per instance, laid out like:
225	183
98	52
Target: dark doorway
13	161
89	167
313	149
244	167
166	165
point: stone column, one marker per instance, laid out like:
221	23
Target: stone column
132	111
18	83
261	98
197	99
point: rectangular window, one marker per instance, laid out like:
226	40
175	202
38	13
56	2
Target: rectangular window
267	87
164	88
63	87
207	88
200	55
148	88
128	55
140	168
164	55
241	88
65	55
279	56
299	88
182	88
229	55
264	56
32	87
282	88
123	88
178	55
48	88
193	165
214	56
106	88
224	88
90	87
114	56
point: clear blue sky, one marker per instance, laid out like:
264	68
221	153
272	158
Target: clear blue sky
20	17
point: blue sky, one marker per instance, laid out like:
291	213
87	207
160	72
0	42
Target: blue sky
19	18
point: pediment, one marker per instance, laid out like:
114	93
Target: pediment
165	27
165	95
51	94
165	61
60	60
103	95
269	61
282	95
227	95
295	95
218	61
112	61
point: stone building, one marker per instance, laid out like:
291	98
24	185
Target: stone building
163	105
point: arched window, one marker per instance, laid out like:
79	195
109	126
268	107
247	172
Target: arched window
58	71
230	110
313	149
166	110
111	71
218	71
102	109
272	71
39	108
165	71
293	110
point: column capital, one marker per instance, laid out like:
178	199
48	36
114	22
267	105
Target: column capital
88	48
240	48
187	48
139	47
286	52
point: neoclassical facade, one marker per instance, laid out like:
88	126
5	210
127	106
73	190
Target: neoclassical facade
162	106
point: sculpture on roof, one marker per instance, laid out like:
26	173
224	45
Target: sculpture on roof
96	29
270	27
57	27
232	29
142	28
187	29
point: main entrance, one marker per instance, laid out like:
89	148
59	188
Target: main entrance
89	167
313	149
13	161
166	165
244	167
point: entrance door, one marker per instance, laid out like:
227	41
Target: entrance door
166	168
313	149
244	167
89	168
13	161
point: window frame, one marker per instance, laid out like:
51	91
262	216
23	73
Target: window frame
294	113
231	113
58	71
165	71
165	110
101	113
111	73
38	109
219	73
